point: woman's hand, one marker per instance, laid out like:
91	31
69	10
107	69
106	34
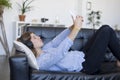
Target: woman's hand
78	22
76	27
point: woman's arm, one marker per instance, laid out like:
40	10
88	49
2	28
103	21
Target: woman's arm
71	33
75	29
58	39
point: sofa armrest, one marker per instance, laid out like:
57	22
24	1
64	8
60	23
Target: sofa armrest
19	68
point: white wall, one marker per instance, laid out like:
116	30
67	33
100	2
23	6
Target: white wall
110	11
51	9
60	8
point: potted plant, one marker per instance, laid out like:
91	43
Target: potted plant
94	18
3	4
24	7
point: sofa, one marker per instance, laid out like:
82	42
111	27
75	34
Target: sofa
20	69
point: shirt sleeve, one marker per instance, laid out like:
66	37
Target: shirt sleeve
54	55
58	39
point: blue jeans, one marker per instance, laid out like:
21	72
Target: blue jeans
96	47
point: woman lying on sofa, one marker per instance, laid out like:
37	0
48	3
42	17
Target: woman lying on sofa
55	55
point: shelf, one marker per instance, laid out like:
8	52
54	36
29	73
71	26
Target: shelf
39	24
19	26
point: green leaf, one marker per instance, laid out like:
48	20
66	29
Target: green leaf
5	3
94	17
25	7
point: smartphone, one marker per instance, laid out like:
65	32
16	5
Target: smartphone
72	13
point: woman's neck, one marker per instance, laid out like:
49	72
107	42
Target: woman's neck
38	51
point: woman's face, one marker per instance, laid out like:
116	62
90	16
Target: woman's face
36	40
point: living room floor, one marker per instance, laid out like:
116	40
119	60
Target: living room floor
4	68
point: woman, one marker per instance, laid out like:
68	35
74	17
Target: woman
55	56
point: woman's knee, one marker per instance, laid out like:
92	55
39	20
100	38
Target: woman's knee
106	28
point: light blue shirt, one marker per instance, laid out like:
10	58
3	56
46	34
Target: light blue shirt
56	56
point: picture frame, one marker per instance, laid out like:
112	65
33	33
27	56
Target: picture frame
89	6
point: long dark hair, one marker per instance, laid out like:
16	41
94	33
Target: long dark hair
25	38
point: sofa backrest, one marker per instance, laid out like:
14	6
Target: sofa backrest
48	33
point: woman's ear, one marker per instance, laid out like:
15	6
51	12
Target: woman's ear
29	44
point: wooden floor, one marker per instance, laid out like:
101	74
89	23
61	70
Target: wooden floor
4	68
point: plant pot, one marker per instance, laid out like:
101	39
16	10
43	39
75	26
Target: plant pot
22	17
